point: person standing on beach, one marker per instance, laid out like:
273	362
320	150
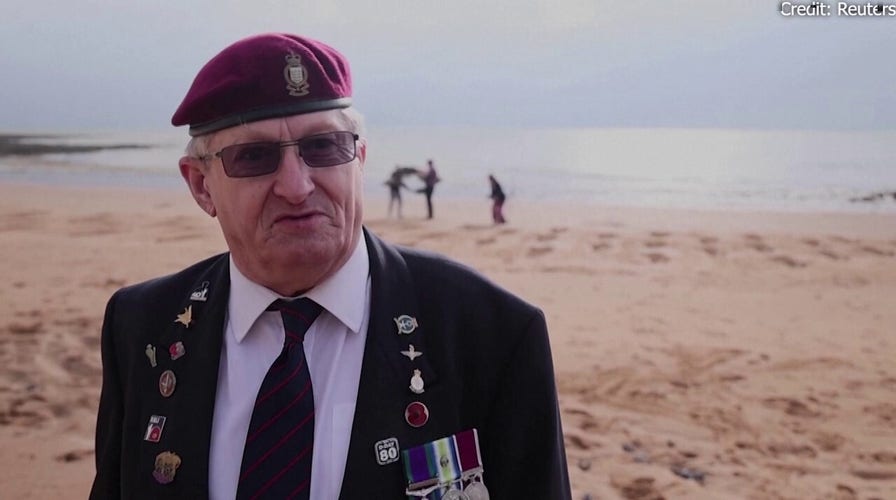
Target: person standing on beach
395	182
314	360
498	198
430	178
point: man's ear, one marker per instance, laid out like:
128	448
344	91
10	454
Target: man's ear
193	172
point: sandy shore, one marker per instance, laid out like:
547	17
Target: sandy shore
698	354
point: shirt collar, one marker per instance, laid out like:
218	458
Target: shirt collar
344	294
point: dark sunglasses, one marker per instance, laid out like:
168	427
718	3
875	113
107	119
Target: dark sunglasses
260	158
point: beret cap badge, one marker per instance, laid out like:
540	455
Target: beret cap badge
296	75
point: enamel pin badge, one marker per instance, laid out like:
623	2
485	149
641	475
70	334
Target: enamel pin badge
387	451
154	429
412	353
186	317
417	382
166	467
176	350
151	354
200	294
167	383
406	324
416	414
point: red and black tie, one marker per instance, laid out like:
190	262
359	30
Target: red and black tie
277	456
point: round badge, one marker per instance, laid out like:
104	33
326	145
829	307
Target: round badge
416	414
476	491
167	382
406	324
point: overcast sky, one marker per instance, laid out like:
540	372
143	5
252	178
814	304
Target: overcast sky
70	64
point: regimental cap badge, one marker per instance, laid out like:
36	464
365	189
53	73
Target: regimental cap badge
166	467
406	324
296	75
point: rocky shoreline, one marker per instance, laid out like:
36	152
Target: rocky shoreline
24	145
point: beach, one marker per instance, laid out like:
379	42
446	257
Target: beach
699	354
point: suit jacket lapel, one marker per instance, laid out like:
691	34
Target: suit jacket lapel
190	408
383	392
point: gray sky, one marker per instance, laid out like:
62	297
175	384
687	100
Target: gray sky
70	64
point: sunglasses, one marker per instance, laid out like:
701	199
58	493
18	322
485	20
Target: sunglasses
252	159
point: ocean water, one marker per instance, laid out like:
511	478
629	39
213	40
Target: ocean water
788	170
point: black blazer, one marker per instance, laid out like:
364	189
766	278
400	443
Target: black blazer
486	362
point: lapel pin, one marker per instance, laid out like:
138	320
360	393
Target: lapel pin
416	414
412	353
417	383
386	451
406	324
154	429
176	350
167	383
186	317
200	294
167	464
151	354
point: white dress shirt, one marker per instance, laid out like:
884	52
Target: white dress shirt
334	348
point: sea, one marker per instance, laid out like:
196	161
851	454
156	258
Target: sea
720	169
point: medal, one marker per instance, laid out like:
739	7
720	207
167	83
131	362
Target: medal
151	354
167	383
445	466
476	490
417	383
455	494
166	467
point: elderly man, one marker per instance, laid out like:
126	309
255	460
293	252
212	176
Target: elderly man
314	360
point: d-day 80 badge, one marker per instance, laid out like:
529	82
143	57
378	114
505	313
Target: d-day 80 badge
386	451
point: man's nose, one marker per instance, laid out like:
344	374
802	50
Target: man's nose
294	180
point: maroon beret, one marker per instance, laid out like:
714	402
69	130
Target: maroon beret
265	76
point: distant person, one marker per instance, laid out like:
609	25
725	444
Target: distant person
395	182
430	178
498	198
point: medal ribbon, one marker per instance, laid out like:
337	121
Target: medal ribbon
442	462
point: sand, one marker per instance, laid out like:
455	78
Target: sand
698	354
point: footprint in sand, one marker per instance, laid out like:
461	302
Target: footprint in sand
639	488
877	251
755	242
657	258
23	220
788	261
539	251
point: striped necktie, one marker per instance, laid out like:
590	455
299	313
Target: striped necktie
277	456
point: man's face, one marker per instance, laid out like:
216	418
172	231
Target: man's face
290	229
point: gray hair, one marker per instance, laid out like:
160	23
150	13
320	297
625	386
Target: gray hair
352	119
